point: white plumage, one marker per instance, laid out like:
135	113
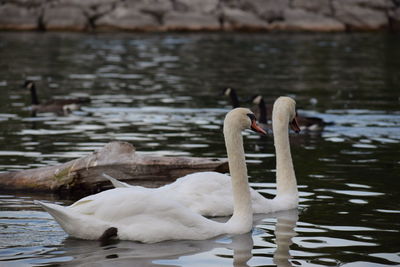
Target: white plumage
210	193
144	215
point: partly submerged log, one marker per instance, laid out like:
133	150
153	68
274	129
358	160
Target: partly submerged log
118	159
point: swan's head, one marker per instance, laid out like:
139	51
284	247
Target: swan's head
285	110
241	119
28	84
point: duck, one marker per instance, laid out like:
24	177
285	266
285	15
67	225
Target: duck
231	93
59	106
145	216
263	113
210	193
305	123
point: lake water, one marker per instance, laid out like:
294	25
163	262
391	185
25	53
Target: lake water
160	92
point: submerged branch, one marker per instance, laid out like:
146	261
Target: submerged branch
119	159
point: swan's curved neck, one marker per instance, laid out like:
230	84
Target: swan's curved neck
242	218
34	97
285	176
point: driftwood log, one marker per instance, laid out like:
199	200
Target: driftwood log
119	159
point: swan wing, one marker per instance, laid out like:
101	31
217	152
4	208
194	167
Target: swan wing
205	193
116	183
210	194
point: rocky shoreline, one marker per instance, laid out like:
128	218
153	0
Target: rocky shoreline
200	15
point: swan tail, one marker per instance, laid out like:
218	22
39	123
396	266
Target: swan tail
58	212
115	182
75	224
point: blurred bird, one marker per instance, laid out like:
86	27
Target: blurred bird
59	106
264	115
231	93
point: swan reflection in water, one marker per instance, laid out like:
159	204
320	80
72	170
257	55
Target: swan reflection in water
284	232
183	253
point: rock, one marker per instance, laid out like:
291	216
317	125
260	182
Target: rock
299	19
14	17
317	6
190	21
93	13
237	19
199	6
29	3
372	4
268	10
88	3
92	9
394	18
64	17
357	17
165	15
155	8
127	18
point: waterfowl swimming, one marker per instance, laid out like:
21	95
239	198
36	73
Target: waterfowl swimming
231	93
210	193
263	113
262	119
258	100
59	106
146	216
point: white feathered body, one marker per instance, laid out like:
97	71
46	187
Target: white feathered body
138	214
210	194
172	212
146	215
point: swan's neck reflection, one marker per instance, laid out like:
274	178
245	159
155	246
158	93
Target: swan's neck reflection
172	252
242	246
284	232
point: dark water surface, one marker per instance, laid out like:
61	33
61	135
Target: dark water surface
160	92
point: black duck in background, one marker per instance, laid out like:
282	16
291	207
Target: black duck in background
58	106
231	93
306	123
261	113
264	114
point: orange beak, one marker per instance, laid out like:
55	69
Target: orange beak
255	127
294	125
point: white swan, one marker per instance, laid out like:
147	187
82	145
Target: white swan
146	216
210	193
